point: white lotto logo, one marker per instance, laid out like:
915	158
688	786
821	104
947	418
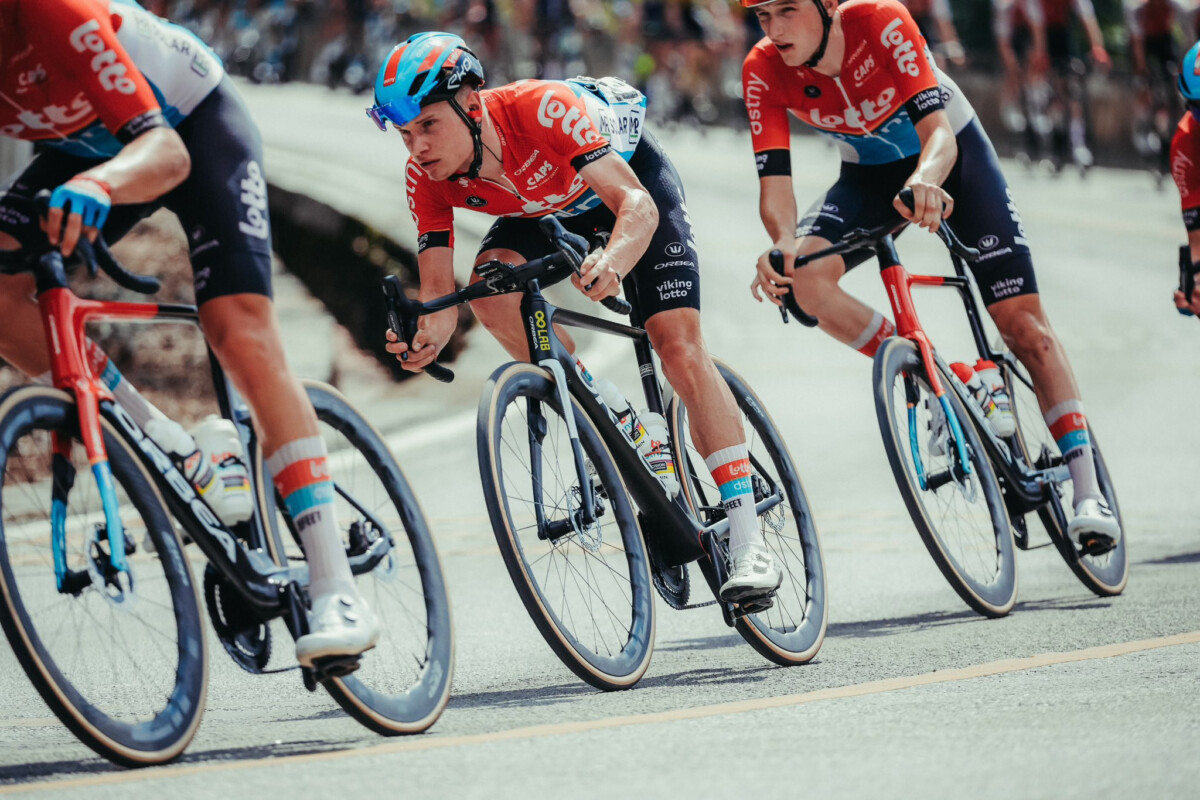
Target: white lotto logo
867	111
902	48
254	197
574	121
104	64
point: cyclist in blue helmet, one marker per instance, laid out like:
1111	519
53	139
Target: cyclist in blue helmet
1185	167
577	149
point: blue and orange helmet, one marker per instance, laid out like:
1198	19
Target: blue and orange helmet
1189	75
426	68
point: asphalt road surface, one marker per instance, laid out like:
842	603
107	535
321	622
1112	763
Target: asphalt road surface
912	694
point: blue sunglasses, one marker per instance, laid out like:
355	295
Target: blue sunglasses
400	111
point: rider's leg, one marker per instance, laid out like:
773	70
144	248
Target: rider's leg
1026	330
716	431
501	315
841	315
243	332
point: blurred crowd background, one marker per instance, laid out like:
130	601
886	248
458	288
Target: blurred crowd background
686	56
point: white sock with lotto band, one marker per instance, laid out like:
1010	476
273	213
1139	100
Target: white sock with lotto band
1068	426
302	478
878	329
730	469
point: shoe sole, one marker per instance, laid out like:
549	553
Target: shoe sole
309	659
742	593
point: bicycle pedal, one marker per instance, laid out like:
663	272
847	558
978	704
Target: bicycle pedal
335	666
1097	545
754	605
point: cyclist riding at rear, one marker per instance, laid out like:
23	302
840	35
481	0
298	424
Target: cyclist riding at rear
1153	25
577	149
1185	166
935	20
1068	84
861	74
129	113
1020	31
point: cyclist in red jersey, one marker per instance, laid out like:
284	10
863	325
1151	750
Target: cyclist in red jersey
1185	166
577	149
128	113
861	73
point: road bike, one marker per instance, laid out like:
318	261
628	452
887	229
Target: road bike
559	476
969	502
97	596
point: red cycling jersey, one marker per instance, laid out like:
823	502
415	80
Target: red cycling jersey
69	64
1185	168
888	82
548	131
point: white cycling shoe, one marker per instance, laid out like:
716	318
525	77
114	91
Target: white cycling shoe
340	624
755	574
1094	527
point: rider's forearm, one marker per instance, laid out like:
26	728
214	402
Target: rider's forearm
1093	31
147	168
939	151
777	207
1194	243
436	267
637	219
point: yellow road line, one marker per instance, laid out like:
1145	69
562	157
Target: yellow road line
433	742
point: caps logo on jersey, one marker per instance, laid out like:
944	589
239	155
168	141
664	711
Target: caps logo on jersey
902	48
863	70
674	249
474	201
812	91
988	242
574	122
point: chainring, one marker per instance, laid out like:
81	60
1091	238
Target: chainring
246	638
672	583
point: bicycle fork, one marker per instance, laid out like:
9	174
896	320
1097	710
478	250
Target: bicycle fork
63	316
898	283
586	515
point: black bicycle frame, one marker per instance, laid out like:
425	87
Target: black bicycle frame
677	534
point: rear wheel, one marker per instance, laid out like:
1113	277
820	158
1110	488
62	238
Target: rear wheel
585	585
120	658
1105	574
960	516
792	630
403	684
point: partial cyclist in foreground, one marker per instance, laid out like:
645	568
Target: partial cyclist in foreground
577	149
130	113
1185	169
862	74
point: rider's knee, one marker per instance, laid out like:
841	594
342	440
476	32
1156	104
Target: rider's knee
683	357
246	340
16	292
1029	335
816	282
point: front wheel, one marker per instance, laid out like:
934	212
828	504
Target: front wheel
585	585
403	684
792	630
960	515
1105	574
119	657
